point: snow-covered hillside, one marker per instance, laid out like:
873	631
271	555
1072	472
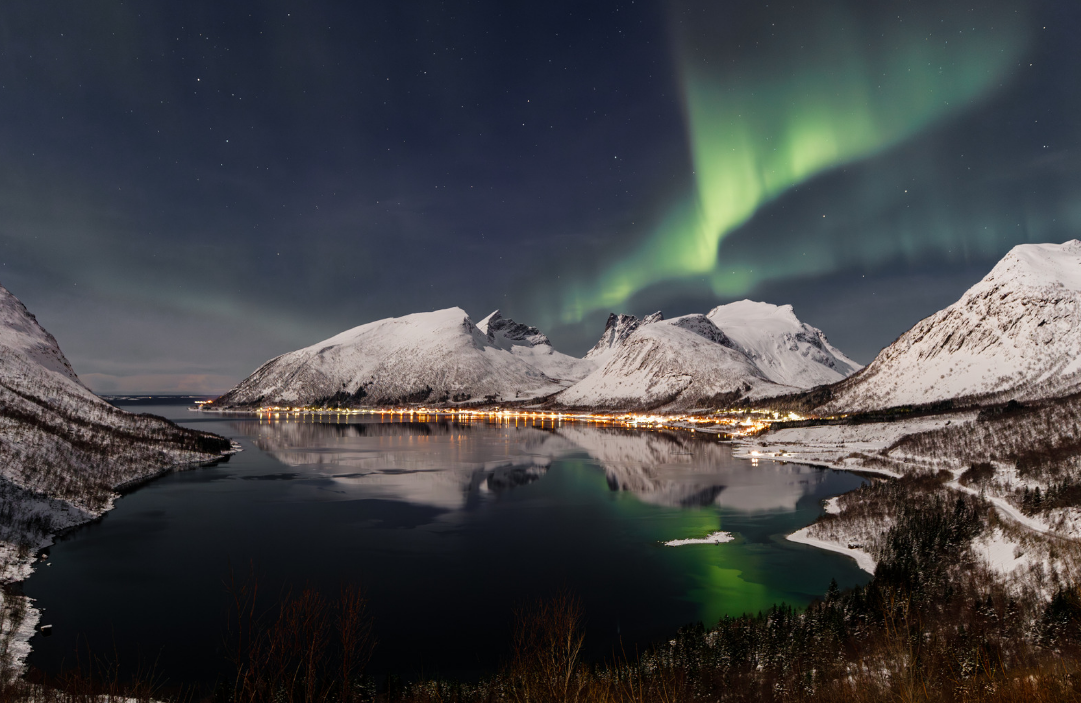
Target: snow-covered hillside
673	364
429	357
59	440
533	347
785	350
1015	334
22	337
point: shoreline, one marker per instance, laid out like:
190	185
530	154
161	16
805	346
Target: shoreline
863	560
14	570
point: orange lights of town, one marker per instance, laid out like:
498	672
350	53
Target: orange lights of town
736	422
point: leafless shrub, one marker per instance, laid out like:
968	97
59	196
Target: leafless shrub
305	650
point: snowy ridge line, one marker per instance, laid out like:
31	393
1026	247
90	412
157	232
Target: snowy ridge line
443	358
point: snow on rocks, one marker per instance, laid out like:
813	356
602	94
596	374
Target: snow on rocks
533	347
668	364
616	331
740	350
441	357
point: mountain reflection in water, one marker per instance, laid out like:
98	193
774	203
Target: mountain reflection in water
442	464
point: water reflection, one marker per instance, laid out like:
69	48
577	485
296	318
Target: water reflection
446	464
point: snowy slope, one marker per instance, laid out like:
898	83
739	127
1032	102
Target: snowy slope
61	441
785	350
430	357
63	452
533	347
668	364
36	351
1015	334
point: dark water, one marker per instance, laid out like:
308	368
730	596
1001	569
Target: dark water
447	528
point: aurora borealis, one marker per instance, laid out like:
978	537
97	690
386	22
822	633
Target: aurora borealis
189	190
811	95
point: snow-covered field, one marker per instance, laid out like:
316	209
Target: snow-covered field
856	447
1020	449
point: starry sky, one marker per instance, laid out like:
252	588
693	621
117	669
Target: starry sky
188	189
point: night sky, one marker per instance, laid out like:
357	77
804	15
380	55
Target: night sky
190	188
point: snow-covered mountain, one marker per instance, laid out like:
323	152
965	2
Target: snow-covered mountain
63	450
681	363
743	349
429	357
1015	334
785	350
441	357
533	347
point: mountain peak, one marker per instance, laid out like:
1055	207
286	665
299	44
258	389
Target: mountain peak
428	357
1037	266
682	363
786	350
616	331
504	332
20	333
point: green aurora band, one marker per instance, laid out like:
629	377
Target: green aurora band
827	89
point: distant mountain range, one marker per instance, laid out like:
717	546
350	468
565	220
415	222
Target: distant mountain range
443	358
1017	333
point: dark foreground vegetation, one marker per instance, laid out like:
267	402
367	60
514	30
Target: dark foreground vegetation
931	626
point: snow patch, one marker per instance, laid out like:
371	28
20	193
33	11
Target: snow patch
1001	554
711	538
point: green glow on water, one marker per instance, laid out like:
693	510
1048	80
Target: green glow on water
757	570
